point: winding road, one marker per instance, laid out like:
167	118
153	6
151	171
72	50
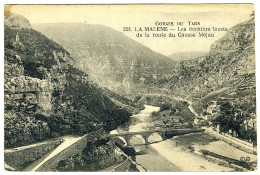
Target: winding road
67	141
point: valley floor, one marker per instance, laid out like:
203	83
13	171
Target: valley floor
178	157
187	162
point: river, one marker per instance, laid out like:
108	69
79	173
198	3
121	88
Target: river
163	156
147	156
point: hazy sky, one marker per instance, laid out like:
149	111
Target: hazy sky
119	16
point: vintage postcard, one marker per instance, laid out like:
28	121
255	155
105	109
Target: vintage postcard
130	88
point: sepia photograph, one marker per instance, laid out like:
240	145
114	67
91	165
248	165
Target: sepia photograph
129	88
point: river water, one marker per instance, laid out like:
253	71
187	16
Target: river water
163	156
147	156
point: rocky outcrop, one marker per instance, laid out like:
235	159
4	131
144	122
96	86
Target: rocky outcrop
45	94
237	38
22	129
24	97
34	90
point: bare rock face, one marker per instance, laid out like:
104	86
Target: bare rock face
238	37
27	98
111	59
18	86
24	96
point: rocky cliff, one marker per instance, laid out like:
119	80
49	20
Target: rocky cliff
109	57
226	73
45	94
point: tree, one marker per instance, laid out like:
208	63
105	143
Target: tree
229	118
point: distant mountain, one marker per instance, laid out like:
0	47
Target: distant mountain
109	57
182	56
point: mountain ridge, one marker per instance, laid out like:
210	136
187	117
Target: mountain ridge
112	59
230	63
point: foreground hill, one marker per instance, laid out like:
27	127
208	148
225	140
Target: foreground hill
109	57
45	94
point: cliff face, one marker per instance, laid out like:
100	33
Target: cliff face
45	94
226	73
238	37
24	98
109	57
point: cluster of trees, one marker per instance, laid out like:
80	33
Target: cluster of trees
233	118
177	108
96	155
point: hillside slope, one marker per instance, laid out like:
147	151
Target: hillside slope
182	56
226	73
45	94
109	57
